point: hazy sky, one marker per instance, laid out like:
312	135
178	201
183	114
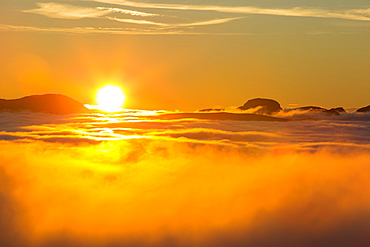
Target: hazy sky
188	54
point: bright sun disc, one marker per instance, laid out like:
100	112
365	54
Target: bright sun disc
110	98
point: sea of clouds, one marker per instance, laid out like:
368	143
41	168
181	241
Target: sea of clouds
121	179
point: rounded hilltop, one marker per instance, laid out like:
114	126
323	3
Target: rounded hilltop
46	103
265	106
364	109
258	105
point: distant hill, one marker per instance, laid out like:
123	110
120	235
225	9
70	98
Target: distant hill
266	106
261	106
339	109
47	103
364	109
211	109
333	111
271	107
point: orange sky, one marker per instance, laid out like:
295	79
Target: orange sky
319	59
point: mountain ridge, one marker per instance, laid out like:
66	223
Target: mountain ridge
44	103
61	104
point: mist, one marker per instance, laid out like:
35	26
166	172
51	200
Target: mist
158	192
124	179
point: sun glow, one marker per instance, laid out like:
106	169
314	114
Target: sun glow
110	98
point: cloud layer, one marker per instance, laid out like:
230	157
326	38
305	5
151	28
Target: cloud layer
124	180
161	193
351	14
163	18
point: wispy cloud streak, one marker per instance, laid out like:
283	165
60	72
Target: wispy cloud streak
128	12
352	14
209	22
65	11
141	22
86	30
201	23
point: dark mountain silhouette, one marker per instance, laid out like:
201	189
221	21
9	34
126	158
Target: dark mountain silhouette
319	109
338	109
211	109
364	109
47	103
219	116
267	106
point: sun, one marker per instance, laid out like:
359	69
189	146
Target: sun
110	98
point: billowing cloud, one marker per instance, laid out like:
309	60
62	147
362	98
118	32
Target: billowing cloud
348	128
307	114
127	180
148	192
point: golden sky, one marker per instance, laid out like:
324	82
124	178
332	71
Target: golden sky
188	55
155	174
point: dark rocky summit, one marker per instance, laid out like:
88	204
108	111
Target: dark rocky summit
338	109
266	106
47	103
364	109
211	109
320	109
